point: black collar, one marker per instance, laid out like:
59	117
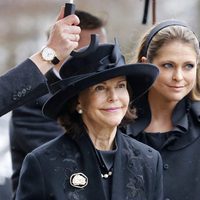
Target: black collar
185	115
179	118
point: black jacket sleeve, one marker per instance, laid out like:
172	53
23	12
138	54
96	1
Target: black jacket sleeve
21	84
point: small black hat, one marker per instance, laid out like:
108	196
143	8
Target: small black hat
104	63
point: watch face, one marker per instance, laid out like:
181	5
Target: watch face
48	54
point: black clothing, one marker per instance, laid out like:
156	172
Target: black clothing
21	84
106	163
179	148
46	171
28	129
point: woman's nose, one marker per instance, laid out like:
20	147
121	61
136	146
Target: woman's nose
177	75
113	96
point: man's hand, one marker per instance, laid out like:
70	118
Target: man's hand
63	39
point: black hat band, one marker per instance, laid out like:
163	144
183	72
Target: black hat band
156	29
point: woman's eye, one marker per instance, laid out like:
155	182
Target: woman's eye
122	85
189	66
99	88
167	65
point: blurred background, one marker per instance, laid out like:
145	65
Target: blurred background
24	23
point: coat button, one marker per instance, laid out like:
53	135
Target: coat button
165	166
19	94
23	92
15	97
28	87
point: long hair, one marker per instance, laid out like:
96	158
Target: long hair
166	35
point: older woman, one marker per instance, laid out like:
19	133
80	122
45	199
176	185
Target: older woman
94	160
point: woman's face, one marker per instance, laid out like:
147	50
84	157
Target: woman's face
105	104
177	62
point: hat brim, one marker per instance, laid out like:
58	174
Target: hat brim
139	76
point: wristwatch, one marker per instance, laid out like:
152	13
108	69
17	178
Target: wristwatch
48	54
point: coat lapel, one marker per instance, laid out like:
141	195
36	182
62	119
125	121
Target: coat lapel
90	168
128	180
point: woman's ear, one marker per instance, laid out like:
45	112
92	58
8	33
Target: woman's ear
143	59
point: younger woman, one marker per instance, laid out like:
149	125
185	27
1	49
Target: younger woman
169	115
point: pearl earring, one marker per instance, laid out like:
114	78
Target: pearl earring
80	111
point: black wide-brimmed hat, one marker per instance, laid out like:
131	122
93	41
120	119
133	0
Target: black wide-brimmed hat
103	63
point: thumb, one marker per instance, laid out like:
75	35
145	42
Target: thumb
61	13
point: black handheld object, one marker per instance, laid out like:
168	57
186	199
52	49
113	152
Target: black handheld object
70	9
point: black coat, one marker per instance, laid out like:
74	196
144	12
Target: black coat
20	85
180	151
46	171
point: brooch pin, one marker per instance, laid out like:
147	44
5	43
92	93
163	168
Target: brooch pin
78	180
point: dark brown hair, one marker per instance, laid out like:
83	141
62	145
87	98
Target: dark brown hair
89	21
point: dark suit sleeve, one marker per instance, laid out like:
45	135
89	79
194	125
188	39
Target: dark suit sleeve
31	184
21	84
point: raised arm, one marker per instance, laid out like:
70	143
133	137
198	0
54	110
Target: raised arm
26	81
